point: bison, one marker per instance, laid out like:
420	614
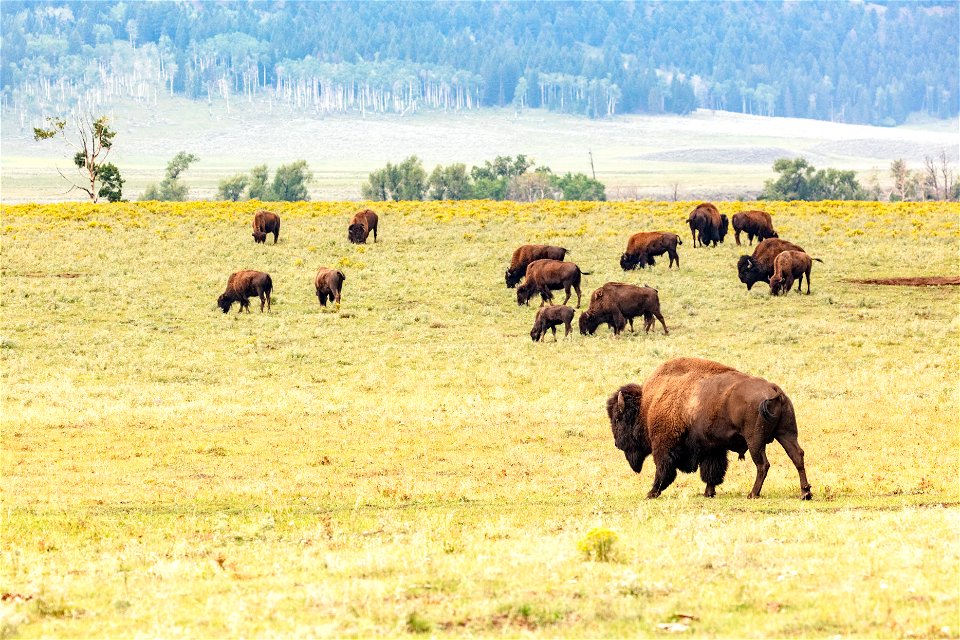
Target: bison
265	222
789	266
618	303
759	266
244	284
363	222
550	318
642	247
690	412
707	224
753	223
329	283
545	275
526	254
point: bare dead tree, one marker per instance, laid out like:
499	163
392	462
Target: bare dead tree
931	176
93	144
946	172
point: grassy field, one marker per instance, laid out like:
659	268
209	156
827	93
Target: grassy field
706	154
414	464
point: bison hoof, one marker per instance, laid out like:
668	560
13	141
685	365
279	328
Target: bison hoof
653	494
709	492
753	496
806	495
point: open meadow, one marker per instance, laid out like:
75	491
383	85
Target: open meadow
414	464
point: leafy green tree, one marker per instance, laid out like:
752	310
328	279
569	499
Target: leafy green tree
450	183
834	184
259	187
232	188
93	142
580	186
405	181
171	189
290	182
799	180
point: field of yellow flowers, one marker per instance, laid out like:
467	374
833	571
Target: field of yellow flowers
413	463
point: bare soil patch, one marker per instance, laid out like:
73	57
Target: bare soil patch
931	281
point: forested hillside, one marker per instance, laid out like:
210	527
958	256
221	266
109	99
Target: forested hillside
843	61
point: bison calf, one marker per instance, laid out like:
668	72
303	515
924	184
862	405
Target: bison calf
789	266
265	222
361	225
690	412
329	283
642	247
546	275
244	284
618	303
550	318
753	223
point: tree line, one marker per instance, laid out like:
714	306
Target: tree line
844	61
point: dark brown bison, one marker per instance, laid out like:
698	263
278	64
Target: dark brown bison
759	266
329	283
526	254
265	222
690	412
544	276
642	247
753	223
550	318
618	303
707	225
789	266
244	284
364	221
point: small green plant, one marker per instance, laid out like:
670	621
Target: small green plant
598	544
416	623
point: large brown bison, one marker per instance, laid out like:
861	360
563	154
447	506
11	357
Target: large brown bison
544	276
690	412
753	223
363	222
789	266
759	266
550	318
329	283
618	303
642	247
526	254
707	224
241	286
265	222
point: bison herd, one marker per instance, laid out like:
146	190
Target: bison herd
690	412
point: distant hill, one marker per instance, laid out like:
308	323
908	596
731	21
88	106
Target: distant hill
854	62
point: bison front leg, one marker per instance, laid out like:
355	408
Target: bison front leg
713	468
792	447
666	474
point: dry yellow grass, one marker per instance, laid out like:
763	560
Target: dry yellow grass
415	464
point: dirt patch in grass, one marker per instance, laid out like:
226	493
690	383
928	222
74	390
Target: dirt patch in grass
932	281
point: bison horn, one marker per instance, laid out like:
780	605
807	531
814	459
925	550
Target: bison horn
620	402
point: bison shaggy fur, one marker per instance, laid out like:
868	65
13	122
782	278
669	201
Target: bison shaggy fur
526	254
550	318
329	283
363	223
690	412
753	223
618	303
707	224
642	247
265	222
789	266
544	276
759	266
241	286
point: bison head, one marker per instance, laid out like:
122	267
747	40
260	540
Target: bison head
536	334
724	227
749	271
525	292
356	233
224	302
259	236
588	323
629	262
776	285
623	409
513	277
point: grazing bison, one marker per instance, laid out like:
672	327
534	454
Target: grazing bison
759	266
550	318
690	412
707	225
244	284
526	254
642	247
329	283
364	221
545	275
618	303
265	222
753	223
789	266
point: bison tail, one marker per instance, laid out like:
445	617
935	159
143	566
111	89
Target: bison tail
583	273
818	260
770	409
679	241
269	284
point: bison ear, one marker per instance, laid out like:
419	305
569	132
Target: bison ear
599	293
